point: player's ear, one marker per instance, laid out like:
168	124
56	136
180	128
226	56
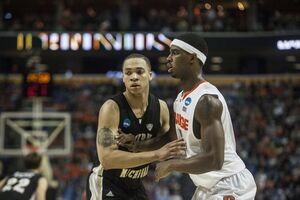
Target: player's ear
193	58
123	78
150	73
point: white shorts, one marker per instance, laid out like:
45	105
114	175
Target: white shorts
94	185
240	186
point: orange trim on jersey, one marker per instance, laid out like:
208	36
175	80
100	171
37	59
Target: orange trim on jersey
184	94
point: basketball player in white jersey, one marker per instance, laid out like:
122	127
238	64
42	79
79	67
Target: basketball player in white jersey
202	118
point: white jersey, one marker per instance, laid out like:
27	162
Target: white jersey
184	107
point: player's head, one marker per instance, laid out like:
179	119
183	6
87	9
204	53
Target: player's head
136	73
188	54
32	161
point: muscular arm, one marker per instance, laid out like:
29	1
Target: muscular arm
109	154
41	189
208	113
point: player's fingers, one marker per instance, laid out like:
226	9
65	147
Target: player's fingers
118	137
170	145
175	141
178	144
122	140
180	153
120	143
177	153
120	131
128	146
118	140
178	141
177	148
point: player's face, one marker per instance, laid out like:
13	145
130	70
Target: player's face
178	61
136	75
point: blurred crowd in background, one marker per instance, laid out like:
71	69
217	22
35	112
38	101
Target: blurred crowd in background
266	119
163	16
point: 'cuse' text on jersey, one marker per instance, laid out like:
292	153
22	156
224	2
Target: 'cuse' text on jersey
181	121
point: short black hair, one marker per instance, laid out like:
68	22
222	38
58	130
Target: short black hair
195	40
32	161
137	55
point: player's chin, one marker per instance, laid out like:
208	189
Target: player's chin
136	90
173	74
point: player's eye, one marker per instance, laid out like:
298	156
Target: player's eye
128	73
174	52
140	71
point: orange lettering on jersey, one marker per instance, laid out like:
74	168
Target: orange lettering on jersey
181	121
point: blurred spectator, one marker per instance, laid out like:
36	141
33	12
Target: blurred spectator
132	15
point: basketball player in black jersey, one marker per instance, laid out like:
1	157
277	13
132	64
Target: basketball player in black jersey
135	111
25	185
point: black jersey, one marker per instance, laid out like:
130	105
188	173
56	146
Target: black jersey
20	186
144	128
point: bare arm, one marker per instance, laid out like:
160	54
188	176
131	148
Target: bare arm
109	154
2	182
208	113
41	189
47	172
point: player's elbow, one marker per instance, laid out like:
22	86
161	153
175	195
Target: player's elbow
106	163
218	162
106	158
218	165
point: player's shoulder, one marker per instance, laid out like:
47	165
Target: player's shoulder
42	180
109	106
211	99
110	102
209	105
163	104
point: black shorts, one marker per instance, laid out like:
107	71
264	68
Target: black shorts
98	188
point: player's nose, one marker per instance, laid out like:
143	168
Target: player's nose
134	76
169	58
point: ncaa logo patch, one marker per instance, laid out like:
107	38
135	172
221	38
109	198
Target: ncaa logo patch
188	101
149	127
126	123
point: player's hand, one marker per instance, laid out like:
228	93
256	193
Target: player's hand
162	170
173	149
126	140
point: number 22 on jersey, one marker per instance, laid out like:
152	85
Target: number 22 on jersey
17	185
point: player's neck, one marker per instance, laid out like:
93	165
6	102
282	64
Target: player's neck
137	101
189	84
